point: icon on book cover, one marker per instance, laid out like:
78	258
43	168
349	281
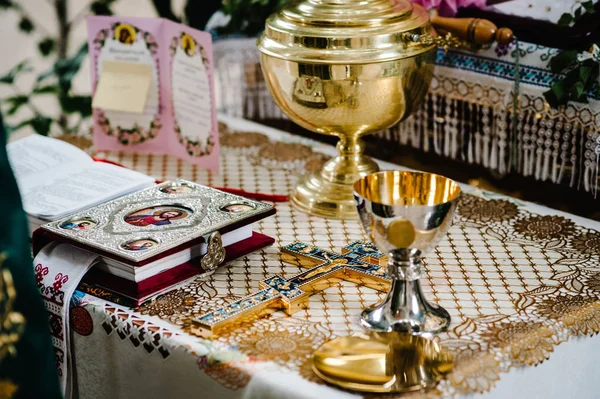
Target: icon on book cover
238	207
176	188
158	215
78	224
142	244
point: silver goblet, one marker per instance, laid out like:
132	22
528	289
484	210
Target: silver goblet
406	214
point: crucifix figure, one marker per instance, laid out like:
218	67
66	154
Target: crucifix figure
359	262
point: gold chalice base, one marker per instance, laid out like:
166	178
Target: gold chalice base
316	195
382	362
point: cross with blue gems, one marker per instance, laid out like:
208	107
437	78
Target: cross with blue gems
359	262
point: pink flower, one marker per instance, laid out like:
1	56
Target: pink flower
449	8
105	129
135	137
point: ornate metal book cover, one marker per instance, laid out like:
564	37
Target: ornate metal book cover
147	223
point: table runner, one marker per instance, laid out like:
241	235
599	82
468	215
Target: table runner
466	114
518	280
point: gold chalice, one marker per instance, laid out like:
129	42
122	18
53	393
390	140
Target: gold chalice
348	68
404	214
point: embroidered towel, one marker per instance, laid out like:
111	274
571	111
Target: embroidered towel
58	270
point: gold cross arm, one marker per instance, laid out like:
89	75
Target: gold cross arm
359	262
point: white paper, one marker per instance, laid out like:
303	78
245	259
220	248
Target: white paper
35	153
136	52
56	178
192	100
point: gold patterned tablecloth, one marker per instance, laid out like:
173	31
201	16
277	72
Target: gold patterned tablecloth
517	279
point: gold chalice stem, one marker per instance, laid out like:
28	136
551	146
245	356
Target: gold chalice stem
405	308
351	164
328	192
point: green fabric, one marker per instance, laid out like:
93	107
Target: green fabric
31	369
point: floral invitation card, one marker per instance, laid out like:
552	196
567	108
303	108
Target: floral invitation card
178	115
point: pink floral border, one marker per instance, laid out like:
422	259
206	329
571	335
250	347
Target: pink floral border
194	148
137	134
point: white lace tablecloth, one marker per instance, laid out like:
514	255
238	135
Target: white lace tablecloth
520	281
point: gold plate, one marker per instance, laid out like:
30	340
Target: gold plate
382	362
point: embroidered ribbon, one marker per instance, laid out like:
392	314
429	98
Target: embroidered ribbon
58	270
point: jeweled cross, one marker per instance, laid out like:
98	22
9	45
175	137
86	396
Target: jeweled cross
359	262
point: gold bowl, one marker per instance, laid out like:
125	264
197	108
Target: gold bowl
345	68
406	209
347	101
348	68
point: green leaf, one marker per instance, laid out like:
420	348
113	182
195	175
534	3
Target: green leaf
66	70
10	76
25	25
584	74
4	4
576	90
197	13
43	76
15	102
578	12
565	20
41	125
101	7
47	89
560	91
563	60
20	125
248	16
76	104
164	9
551	98
581	99
46	46
588	6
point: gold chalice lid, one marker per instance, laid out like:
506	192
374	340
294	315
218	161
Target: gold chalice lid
346	31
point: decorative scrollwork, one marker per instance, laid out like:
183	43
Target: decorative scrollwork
446	42
215	253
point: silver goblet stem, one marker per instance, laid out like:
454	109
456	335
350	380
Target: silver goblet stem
405	308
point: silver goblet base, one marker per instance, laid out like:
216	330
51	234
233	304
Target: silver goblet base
405	308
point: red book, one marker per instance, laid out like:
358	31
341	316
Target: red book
155	239
132	294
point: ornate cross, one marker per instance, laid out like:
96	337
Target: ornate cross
359	262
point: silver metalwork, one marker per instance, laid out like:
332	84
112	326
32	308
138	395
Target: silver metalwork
405	213
405	309
111	230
